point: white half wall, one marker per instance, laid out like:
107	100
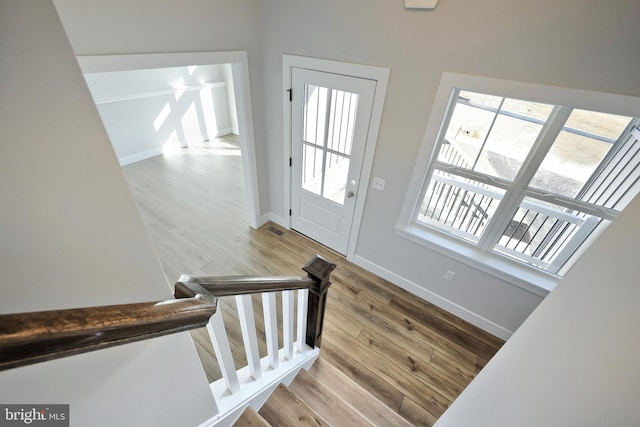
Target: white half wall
574	362
71	236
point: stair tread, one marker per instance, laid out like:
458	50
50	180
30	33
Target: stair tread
251	418
325	402
284	408
365	403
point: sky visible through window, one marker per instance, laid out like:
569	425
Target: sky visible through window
495	135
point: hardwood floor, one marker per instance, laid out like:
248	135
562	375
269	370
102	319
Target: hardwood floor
411	355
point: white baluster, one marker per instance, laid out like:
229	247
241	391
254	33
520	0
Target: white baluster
249	335
287	323
303	304
220	341
271	327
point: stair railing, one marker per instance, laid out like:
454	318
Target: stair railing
27	338
251	385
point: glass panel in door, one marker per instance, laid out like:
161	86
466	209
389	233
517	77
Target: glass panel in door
329	118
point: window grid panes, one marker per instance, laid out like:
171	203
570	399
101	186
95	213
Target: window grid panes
582	168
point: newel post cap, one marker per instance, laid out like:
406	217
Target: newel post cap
320	268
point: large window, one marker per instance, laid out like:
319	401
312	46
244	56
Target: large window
518	178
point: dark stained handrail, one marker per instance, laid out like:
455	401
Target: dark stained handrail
241	285
317	281
27	338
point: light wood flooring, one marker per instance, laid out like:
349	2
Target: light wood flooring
411	355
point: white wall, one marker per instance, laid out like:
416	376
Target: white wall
575	43
546	42
71	236
96	27
144	110
574	362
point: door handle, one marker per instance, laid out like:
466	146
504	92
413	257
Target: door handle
350	194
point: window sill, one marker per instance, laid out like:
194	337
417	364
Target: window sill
532	280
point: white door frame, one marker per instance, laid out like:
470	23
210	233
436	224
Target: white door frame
381	76
240	71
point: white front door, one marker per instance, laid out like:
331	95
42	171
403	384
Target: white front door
330	116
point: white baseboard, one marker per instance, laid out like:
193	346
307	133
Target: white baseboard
140	156
445	304
223	132
270	216
409	286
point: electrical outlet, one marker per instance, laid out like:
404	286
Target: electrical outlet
449	275
378	184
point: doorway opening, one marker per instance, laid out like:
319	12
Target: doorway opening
199	82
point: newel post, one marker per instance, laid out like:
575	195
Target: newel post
319	269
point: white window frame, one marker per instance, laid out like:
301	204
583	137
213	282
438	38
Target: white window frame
533	279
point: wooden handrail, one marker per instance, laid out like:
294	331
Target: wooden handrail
241	285
27	338
317	281
317	268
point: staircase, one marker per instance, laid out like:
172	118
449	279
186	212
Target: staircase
289	386
27	338
292	385
321	396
